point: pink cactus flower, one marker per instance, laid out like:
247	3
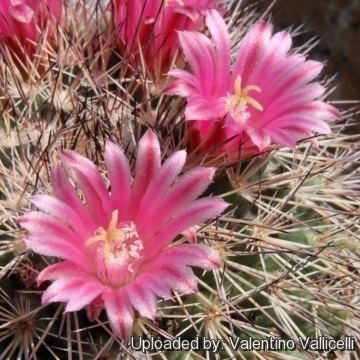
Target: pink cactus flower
268	96
148	28
116	246
21	19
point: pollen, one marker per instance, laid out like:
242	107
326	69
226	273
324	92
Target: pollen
238	103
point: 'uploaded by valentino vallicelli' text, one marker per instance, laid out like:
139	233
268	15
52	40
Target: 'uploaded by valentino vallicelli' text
273	343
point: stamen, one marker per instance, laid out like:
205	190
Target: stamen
121	244
238	102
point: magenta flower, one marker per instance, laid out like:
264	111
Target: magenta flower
21	19
116	246
148	28
267	96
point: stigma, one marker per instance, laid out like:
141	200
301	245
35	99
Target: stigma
238	103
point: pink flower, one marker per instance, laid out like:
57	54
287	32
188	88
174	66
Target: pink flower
116	246
21	19
267	96
148	28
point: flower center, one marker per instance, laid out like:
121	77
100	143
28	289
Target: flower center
120	245
237	104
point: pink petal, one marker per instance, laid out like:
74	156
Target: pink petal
120	178
189	187
53	246
147	165
59	270
161	183
65	289
142	299
22	13
84	295
202	109
217	27
292	100
184	85
86	175
295	77
276	50
41	224
251	50
156	285
200	53
196	213
66	193
119	312
61	211
259	137
180	278
193	255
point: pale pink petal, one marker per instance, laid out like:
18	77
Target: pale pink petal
142	299
259	137
119	312
120	178
284	137
190	234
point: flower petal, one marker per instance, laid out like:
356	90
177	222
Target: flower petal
120	178
59	270
86	175
119	312
66	193
147	165
160	183
61	211
84	295
193	255
196	213
142	299
251	50
217	27
189	187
